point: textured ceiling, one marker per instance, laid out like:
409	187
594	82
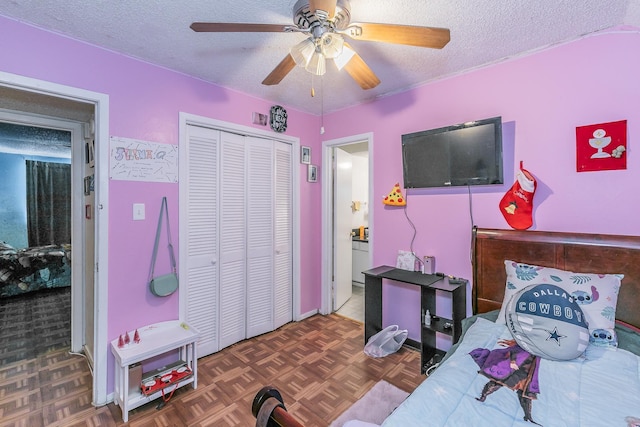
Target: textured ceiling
482	32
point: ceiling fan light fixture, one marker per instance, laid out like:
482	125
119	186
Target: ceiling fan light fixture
317	64
303	51
344	57
332	45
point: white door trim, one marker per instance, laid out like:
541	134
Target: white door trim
191	119
327	213
101	109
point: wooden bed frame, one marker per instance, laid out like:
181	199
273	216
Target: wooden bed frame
578	252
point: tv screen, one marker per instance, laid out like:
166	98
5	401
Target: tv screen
465	154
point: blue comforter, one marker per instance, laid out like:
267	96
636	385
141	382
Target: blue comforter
600	388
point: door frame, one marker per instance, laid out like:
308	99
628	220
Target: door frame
327	213
187	119
101	113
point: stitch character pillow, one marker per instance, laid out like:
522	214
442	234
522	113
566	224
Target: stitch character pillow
597	295
547	321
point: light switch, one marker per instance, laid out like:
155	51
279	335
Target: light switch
138	211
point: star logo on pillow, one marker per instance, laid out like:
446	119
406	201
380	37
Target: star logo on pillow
554	335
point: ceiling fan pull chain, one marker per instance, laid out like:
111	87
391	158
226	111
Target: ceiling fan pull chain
321	106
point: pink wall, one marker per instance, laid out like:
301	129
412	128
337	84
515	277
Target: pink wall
541	98
144	103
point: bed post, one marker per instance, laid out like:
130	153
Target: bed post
474	274
268	408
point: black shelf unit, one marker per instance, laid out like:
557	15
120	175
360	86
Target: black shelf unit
429	284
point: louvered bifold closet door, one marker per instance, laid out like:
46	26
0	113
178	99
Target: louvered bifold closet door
260	247
283	260
202	235
232	209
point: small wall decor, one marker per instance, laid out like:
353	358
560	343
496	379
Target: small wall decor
305	155
517	204
91	153
87	185
395	197
278	118
601	146
312	173
259	119
136	160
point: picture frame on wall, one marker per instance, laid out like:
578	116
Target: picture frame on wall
87	185
92	160
601	146
312	173
305	155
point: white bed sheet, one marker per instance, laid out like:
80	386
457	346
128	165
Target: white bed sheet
600	388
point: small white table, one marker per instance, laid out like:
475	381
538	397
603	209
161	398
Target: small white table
155	340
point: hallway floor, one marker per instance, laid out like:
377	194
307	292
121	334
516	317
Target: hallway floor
34	324
354	307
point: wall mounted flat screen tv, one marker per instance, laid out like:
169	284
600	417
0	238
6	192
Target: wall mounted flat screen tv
465	154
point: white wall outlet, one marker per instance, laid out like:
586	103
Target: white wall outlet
138	211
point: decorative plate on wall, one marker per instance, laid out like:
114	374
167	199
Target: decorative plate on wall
278	118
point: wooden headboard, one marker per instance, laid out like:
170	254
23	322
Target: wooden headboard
578	252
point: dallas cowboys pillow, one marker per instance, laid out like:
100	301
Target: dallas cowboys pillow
546	321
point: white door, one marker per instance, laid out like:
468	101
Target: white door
233	239
260	245
283	229
202	235
342	243
239	236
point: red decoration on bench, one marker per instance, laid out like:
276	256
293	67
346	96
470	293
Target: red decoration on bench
163	381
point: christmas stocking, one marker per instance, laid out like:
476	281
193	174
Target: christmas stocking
517	205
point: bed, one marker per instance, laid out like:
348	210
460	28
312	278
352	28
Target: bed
601	387
520	371
34	268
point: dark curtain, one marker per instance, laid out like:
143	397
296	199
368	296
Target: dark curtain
48	203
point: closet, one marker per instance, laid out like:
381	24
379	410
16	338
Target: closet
239	236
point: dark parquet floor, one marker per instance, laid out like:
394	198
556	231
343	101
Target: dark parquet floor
34	323
318	365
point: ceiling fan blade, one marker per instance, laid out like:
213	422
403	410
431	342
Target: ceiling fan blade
280	72
399	34
360	72
232	27
328	6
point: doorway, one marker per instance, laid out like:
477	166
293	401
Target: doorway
29	101
35	235
345	208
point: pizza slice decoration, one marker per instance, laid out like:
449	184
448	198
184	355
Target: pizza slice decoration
395	197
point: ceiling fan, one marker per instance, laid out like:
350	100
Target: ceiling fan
328	23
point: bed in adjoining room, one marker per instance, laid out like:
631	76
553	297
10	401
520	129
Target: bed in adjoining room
554	340
34	268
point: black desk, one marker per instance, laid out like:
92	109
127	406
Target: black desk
429	284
